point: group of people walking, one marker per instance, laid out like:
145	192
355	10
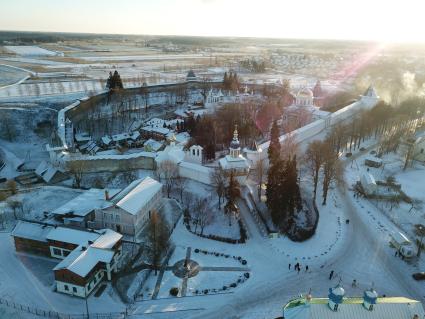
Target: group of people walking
297	267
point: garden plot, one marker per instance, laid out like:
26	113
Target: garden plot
218	224
211	282
216	259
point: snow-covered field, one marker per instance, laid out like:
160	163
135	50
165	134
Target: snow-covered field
10	75
30	50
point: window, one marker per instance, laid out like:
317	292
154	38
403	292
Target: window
74	289
117	217
65	252
57	251
66	287
422	150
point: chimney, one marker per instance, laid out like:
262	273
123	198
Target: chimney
106	194
369	299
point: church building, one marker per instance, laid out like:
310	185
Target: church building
235	161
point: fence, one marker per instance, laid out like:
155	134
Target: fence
58	315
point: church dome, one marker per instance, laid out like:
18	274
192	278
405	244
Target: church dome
305	92
234	144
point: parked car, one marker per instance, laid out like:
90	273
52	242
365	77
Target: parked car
419	276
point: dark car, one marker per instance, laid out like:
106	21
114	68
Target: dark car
419	276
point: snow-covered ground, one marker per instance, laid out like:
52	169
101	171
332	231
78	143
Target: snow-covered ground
30	50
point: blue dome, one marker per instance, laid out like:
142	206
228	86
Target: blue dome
336	294
370	296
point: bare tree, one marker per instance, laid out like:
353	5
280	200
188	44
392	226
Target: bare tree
14	204
201	213
76	168
167	172
158	241
218	181
313	161
332	169
180	185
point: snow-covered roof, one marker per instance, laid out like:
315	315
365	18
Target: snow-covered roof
72	236
86	202
182	137
370	92
159	130
174	154
107	239
106	140
83	259
141	193
32	231
352	308
229	162
153	145
47	171
195	167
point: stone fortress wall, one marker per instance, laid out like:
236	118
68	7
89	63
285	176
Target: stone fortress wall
157	93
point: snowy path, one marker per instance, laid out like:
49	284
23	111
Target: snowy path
249	222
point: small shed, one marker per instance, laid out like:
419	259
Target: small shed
368	183
373	162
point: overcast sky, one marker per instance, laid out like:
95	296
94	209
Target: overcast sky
385	20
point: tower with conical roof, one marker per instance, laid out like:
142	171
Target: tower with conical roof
235	147
369	97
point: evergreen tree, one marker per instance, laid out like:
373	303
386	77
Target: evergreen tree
292	191
233	191
225	81
274	147
114	81
274	197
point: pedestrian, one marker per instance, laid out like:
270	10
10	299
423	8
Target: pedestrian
396	253
354	283
306	268
289	267
299	269
331	275
402	257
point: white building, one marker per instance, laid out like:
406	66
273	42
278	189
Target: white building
303	110
132	207
194	154
235	161
87	257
